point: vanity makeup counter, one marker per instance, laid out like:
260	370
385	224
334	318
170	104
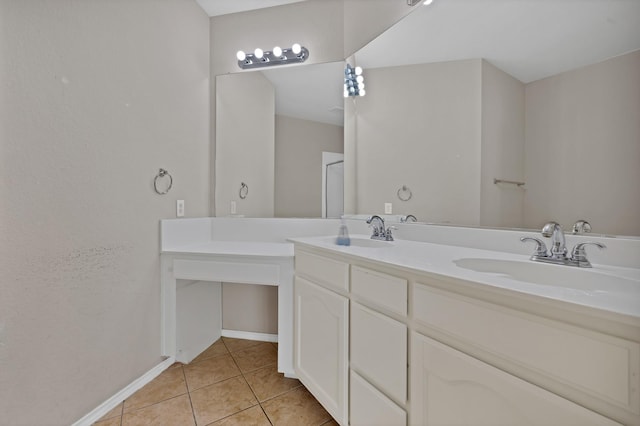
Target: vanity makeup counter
430	333
198	255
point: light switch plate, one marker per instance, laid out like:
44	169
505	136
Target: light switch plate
179	208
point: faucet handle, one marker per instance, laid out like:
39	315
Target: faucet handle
541	248
389	236
581	227
579	255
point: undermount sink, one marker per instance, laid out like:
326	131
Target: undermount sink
553	275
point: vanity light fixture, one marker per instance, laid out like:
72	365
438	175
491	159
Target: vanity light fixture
277	56
353	81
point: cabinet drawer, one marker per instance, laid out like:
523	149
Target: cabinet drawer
379	351
381	290
449	387
322	270
369	407
595	364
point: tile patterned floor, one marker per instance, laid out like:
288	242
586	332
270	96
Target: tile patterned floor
233	382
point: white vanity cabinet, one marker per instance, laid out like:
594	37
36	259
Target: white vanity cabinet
321	331
378	348
381	344
597	370
449	387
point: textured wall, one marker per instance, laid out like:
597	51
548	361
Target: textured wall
582	149
95	97
245	114
502	148
299	147
420	126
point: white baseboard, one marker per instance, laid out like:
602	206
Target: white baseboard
125	393
249	335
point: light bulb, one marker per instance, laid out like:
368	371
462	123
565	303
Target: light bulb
296	48
346	94
358	70
360	79
427	2
361	85
258	53
362	92
241	55
277	51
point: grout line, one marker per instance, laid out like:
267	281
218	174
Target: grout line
251	389
266	415
193	412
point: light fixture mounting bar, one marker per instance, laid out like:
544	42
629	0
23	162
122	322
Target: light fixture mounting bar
269	59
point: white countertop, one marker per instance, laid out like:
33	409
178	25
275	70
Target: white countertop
613	295
235	248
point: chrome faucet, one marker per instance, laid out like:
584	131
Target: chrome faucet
581	227
379	231
558	245
408	218
558	253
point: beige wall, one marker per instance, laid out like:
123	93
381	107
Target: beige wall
420	126
249	307
245	112
502	148
299	147
95	97
583	147
364	20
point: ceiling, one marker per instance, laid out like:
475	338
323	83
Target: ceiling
312	92
528	39
224	7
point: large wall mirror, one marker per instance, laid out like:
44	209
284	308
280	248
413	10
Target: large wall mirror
284	122
502	113
460	93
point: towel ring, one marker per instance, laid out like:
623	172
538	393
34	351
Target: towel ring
244	190
404	193
162	173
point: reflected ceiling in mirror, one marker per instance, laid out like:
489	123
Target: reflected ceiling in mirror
580	144
309	92
528	39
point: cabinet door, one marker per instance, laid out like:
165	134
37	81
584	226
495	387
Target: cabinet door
379	351
321	345
449	387
369	407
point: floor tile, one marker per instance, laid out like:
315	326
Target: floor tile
267	383
235	345
209	371
253	416
113	421
222	399
115	412
217	349
297	407
331	423
172	412
261	355
170	383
